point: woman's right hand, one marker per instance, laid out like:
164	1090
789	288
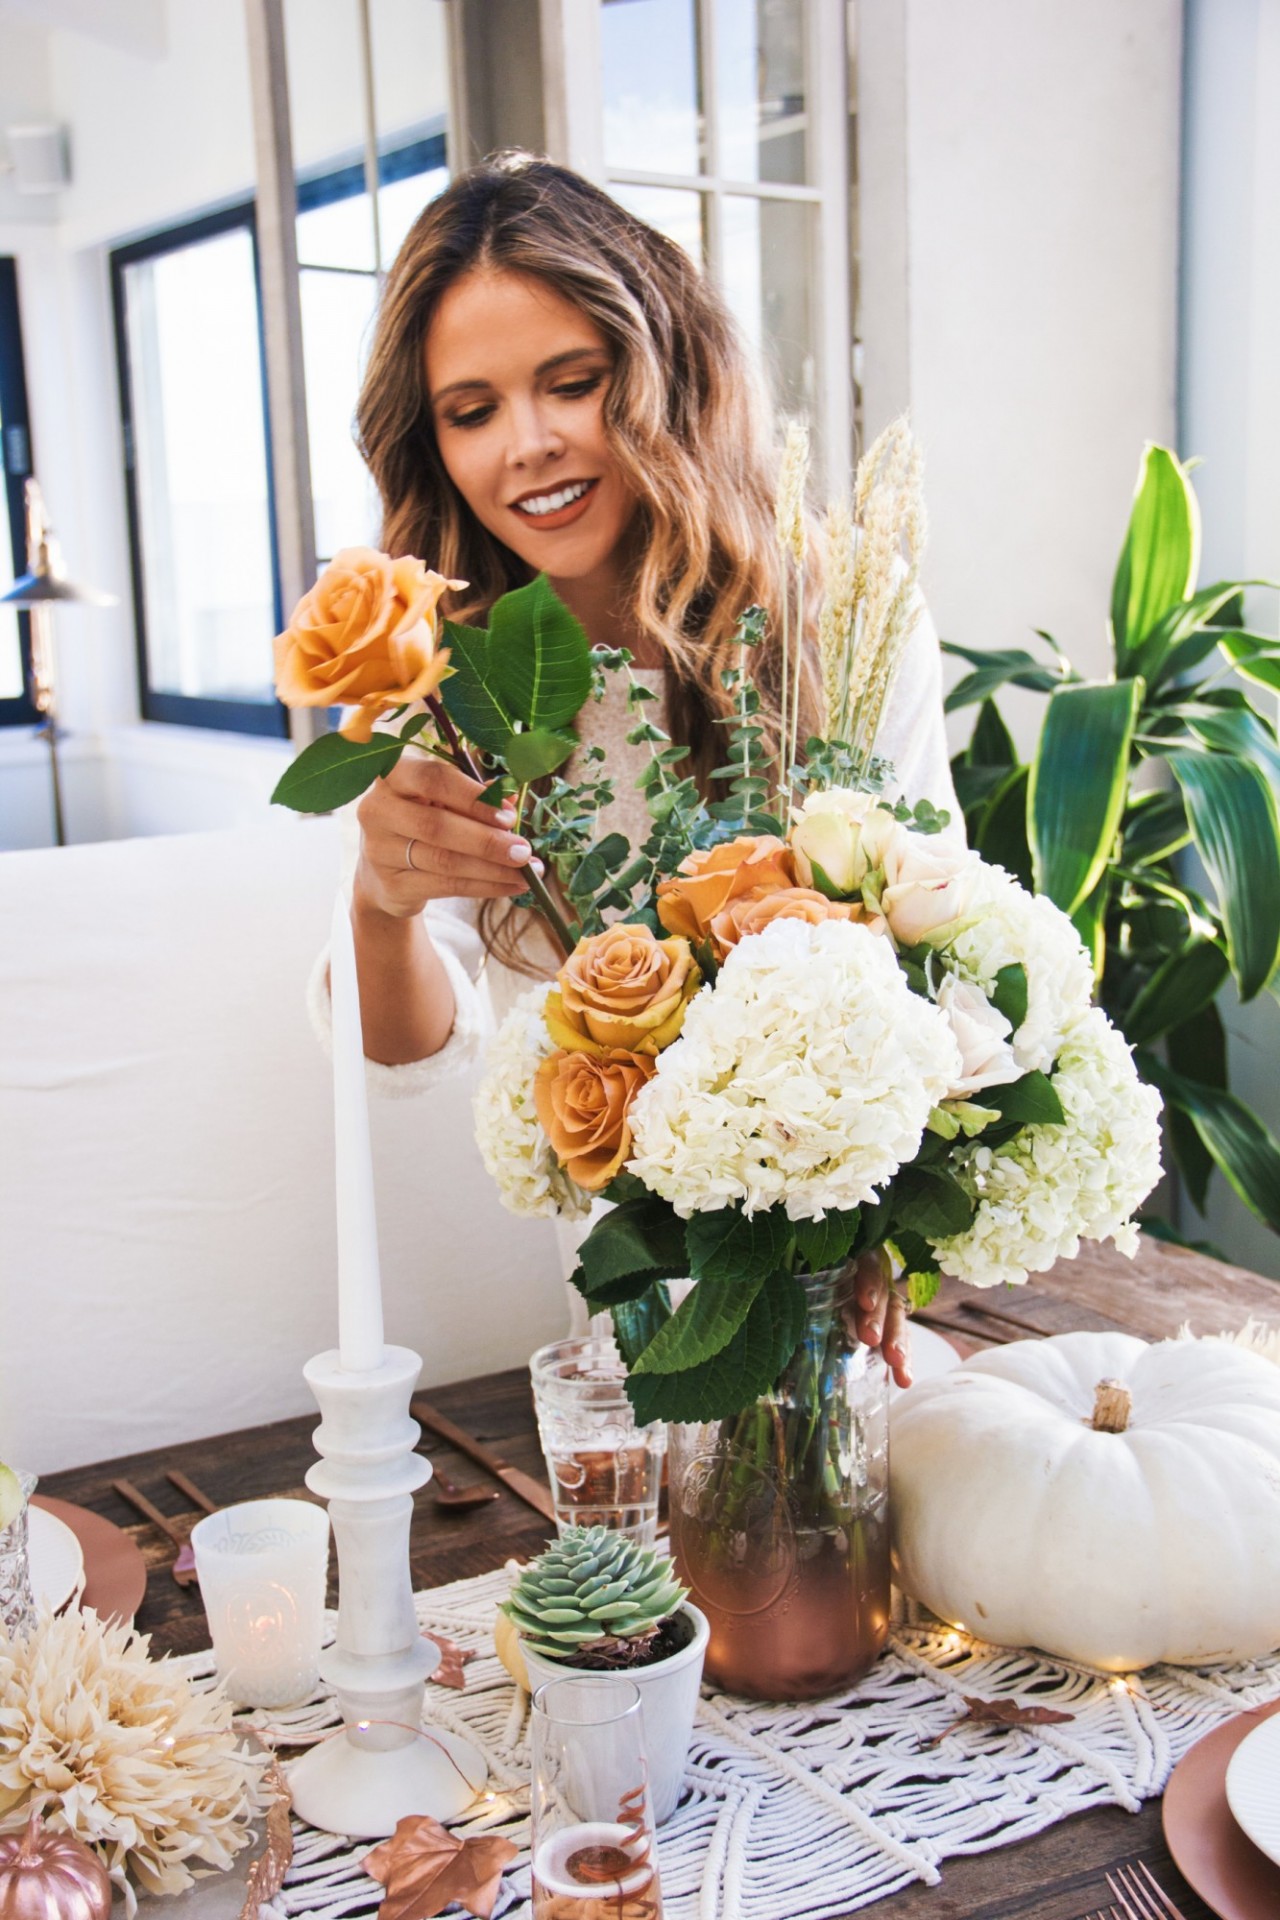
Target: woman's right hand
425	834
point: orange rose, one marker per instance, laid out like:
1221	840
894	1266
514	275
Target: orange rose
622	988
704	883
754	911
364	637
583	1100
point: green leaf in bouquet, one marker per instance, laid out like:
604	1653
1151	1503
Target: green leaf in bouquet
538	751
922	1289
1028	1102
1010	995
826	1243
1233	818
625	1186
540	658
1161	553
334	770
642	1235
612	1293
915	1253
635	1322
1079	781
932	1202
704	1322
469	695
730	1245
1179	987
744	1369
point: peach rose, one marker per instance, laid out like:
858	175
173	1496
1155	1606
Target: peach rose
755	910
704	883
583	1100
622	988
364	637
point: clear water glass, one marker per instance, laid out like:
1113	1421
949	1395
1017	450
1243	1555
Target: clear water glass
605	1470
594	1851
17	1601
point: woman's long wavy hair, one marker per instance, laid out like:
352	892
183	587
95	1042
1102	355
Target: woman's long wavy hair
683	415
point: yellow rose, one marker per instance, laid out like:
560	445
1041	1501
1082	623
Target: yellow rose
756	910
704	883
622	988
364	637
583	1100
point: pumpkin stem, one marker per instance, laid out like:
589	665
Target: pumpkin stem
28	1853
1112	1405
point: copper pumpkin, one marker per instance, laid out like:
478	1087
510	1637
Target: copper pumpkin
51	1876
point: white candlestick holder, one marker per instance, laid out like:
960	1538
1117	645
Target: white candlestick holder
381	1767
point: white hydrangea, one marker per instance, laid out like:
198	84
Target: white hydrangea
805	1077
1052	1186
1005	924
513	1146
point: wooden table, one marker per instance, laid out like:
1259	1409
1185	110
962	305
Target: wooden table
1058	1875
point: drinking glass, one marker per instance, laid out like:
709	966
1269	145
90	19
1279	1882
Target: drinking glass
17	1602
263	1566
594	1852
605	1470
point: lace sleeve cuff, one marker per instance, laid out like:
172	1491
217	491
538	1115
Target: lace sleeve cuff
460	1050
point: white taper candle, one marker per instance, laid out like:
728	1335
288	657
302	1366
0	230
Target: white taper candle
359	1280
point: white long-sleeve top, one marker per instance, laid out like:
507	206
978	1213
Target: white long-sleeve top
911	736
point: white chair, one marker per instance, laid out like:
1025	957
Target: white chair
167	1256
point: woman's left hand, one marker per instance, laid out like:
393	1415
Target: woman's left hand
875	1313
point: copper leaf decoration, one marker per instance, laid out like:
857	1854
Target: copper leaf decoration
998	1713
452	1661
266	1874
423	1867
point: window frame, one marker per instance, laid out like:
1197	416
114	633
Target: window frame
267	718
15	413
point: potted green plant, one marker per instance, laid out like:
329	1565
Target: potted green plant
1164	756
597	1602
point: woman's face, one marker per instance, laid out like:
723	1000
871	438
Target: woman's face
517	378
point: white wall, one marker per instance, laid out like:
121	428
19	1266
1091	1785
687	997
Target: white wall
1020	166
1230	415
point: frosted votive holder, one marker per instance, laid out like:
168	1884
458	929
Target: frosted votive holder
263	1566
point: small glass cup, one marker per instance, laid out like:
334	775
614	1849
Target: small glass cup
17	1601
605	1470
263	1567
594	1851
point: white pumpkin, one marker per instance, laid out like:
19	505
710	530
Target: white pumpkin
1106	1500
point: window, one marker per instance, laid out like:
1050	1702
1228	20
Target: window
15	643
723	126
197	442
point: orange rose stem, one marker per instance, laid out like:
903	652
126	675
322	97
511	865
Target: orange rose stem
538	888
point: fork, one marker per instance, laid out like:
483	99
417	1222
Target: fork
1141	1896
183	1568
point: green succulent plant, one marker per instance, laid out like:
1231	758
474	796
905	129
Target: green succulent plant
594	1598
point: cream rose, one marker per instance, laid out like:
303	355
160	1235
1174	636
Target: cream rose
622	988
982	1035
704	883
840	837
364	637
928	884
760	908
584	1103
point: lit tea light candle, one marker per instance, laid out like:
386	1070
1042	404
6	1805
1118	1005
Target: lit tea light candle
262	1568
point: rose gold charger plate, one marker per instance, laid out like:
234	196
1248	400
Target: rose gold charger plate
1211	1852
115	1573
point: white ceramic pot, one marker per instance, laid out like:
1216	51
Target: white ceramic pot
669	1691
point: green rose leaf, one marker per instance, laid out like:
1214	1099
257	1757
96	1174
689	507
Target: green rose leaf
470	695
739	1373
334	770
540	751
540	657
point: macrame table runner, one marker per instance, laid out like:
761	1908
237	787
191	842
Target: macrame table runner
812	1811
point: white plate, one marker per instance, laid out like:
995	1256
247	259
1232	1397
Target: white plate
56	1559
1253	1787
930	1355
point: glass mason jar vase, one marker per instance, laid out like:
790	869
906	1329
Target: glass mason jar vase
779	1518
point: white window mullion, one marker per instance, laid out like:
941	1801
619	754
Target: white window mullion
573	111
826	86
710	94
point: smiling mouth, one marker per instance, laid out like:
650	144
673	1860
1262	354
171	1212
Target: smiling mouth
558	506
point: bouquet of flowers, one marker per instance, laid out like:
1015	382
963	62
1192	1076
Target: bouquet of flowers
795	1024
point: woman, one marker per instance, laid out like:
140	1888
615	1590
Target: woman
554	387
